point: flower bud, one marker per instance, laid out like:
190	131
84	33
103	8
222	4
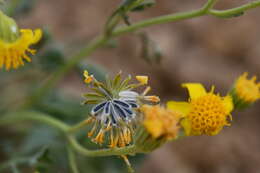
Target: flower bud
159	125
9	31
245	91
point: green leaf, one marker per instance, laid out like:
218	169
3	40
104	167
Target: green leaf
142	6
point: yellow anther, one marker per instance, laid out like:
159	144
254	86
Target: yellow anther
88	79
142	79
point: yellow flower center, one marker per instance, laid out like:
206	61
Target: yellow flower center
247	90
208	115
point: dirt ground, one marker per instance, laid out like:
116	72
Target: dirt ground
208	50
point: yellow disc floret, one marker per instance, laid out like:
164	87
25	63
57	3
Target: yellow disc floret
208	115
248	90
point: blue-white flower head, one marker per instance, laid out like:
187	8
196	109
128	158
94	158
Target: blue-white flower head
115	108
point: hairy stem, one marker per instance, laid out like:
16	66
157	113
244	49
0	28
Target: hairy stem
14	117
64	128
129	150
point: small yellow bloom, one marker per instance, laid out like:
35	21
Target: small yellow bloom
88	79
160	122
142	79
247	90
205	113
15	44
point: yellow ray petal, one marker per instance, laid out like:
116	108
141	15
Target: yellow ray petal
228	104
185	123
196	90
181	107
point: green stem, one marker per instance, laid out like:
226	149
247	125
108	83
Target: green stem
77	127
234	11
33	116
72	160
129	150
209	5
158	20
40	117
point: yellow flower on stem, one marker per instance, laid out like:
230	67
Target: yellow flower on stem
245	91
160	122
158	126
15	44
205	113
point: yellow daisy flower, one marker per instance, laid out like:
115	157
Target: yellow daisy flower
246	91
15	44
205	113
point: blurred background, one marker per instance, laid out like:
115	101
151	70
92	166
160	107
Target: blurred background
208	50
